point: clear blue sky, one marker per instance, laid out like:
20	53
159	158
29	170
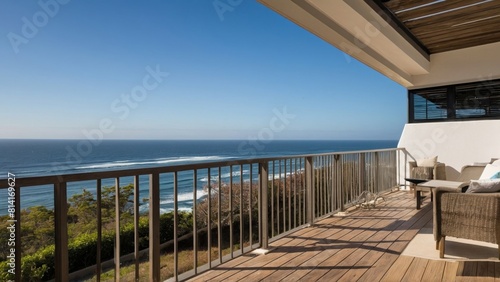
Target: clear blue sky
67	69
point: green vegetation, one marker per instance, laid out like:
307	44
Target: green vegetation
38	233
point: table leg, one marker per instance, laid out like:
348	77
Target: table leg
418	198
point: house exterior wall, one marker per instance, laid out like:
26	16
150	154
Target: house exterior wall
479	63
455	143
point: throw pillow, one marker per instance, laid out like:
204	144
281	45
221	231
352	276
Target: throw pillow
428	162
496	176
490	171
484	186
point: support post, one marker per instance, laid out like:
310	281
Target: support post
61	229
154	227
117	229
263	174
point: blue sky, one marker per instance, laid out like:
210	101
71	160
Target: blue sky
178	69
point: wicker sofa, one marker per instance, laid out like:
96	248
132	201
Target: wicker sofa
474	216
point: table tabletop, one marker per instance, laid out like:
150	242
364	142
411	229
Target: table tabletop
416	180
442	183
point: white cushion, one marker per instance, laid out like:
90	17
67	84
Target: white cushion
484	186
496	163
428	162
490	172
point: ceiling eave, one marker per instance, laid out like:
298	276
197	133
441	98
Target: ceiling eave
360	31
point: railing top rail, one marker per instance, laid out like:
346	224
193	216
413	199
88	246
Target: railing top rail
85	176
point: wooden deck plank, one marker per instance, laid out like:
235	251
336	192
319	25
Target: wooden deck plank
347	243
353	266
398	269
434	270
306	255
388	235
486	271
219	271
470	269
329	263
450	271
468	272
360	268
224	271
497	271
265	268
365	245
491	269
392	246
216	272
288	268
307	249
364	263
416	270
344	266
334	252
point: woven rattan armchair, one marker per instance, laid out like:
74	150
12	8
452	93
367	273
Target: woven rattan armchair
437	171
474	216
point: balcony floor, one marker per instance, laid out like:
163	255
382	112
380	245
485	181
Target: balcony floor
365	245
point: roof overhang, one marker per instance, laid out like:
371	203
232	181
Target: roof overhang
362	30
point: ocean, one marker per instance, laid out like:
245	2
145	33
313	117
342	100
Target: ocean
26	158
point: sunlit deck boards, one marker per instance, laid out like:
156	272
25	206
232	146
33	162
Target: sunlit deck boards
363	246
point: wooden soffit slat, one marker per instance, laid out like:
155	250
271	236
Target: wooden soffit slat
449	25
437	45
438	9
398	5
456	17
470	30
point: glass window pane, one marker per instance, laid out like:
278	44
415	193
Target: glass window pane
430	104
478	100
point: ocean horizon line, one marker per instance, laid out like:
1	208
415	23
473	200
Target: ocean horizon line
173	139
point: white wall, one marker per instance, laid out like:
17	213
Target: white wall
478	63
455	143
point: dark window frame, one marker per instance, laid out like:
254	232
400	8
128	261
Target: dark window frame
451	97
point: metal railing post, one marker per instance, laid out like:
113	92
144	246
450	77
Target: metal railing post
61	230
154	227
376	174
264	232
309	190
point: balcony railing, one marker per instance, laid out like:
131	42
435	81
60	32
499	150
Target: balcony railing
246	205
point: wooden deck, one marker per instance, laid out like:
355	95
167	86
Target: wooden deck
365	245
